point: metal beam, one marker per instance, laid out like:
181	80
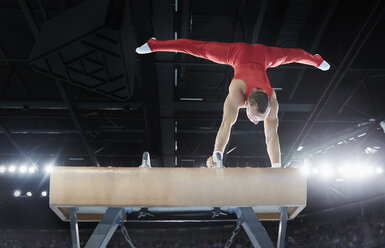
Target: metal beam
214	117
254	229
282	228
335	138
312	50
75	120
30	18
57	105
106	228
218	106
12	68
15	31
116	106
315	44
163	29
354	49
74	228
43	10
258	23
142	15
14	143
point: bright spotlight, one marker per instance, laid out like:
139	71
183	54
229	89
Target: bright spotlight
342	170
2	169
32	169
379	170
29	194
44	193
326	171
360	171
49	168
370	170
299	148
17	193
305	170
12	168
346	170
315	171
23	169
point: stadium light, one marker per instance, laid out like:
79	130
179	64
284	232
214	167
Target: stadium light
49	168
346	170
305	170
23	169
17	193
32	169
370	170
12	168
44	193
299	148
29	194
379	170
326	170
2	169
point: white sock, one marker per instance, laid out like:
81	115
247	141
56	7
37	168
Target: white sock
144	49
324	66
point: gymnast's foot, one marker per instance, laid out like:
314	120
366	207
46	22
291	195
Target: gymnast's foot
324	65
144	49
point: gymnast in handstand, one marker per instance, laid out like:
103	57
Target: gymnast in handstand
250	88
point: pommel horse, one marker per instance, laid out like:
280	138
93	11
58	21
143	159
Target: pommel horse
109	195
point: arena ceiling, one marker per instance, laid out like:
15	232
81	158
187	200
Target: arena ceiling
171	104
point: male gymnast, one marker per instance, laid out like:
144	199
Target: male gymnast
250	88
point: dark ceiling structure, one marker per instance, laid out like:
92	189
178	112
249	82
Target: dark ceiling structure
74	92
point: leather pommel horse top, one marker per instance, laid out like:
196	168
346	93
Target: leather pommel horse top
93	189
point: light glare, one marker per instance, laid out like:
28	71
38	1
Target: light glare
44	193
299	148
29	194
2	169
326	171
23	169
31	169
49	168
12	168
17	193
379	170
305	170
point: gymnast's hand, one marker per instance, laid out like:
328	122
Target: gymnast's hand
210	163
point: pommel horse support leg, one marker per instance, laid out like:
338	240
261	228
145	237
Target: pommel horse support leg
109	195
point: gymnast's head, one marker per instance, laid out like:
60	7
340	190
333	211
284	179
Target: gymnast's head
258	106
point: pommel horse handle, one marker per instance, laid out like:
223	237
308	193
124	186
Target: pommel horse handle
146	161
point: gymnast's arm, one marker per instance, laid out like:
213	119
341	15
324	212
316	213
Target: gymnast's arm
231	107
271	134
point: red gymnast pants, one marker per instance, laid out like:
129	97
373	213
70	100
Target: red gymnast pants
249	61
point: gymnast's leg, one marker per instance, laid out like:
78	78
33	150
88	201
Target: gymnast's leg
279	56
217	52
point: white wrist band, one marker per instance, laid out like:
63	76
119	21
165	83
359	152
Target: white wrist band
215	157
276	165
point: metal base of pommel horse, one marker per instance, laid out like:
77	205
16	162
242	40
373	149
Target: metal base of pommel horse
114	217
114	196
